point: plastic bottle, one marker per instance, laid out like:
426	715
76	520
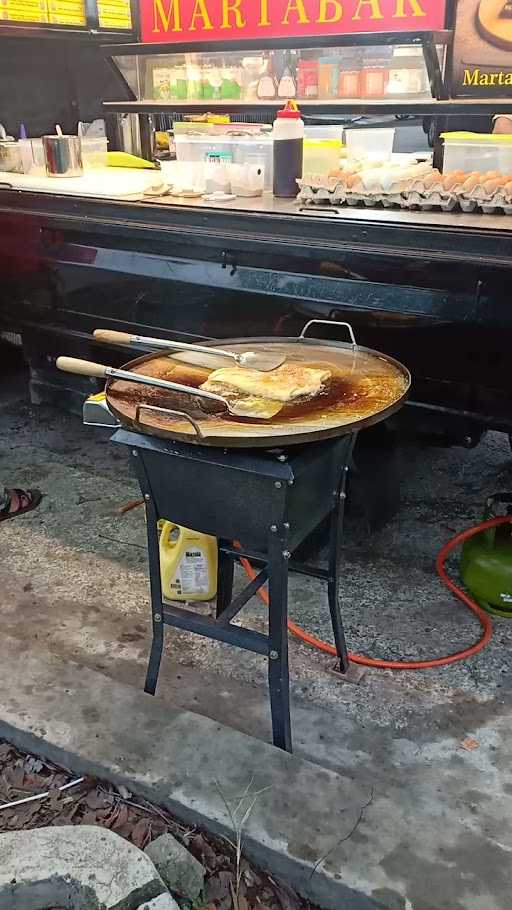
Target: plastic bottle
288	136
188	563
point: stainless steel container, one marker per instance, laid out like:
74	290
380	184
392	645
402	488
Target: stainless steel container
63	156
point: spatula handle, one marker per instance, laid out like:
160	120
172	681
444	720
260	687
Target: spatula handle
88	368
112	337
82	367
109	336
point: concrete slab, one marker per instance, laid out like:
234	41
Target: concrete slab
108	872
395	844
185	762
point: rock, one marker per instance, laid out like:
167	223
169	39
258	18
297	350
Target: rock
105	871
162	902
181	871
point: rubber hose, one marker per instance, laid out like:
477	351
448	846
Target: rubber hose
483	617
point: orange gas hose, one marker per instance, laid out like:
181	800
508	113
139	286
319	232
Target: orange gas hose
483	617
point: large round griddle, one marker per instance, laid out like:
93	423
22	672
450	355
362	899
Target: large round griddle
365	388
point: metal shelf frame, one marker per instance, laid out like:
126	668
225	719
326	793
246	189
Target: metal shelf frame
363	39
440	104
458	107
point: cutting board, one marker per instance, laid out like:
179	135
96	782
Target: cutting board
103	183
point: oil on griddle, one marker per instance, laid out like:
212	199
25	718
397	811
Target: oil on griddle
360	385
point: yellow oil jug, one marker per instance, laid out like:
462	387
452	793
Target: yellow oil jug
188	563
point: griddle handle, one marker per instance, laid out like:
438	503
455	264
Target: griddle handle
82	367
330	322
166	411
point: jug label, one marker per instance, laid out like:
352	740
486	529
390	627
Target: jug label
193	573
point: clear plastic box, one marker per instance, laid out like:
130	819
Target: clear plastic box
477	152
32	157
94	152
372	144
256	150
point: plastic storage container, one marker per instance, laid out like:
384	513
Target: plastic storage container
247	179
372	144
255	150
94	152
32	157
321	155
323	132
477	152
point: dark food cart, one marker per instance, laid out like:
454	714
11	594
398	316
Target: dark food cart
430	288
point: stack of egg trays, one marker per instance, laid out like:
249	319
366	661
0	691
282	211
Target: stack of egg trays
414	196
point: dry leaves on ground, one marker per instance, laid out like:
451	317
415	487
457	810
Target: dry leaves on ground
96	803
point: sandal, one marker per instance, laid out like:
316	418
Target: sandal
27	501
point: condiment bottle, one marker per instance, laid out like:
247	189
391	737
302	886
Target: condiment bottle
286	87
288	136
267	88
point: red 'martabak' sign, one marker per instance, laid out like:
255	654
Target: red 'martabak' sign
186	21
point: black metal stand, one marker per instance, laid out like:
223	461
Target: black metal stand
277	499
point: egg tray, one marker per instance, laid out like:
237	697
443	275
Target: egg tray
410	196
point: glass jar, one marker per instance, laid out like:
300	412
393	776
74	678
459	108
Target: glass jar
328	75
349	83
211	82
231	84
374	80
178	83
194	84
162	83
307	79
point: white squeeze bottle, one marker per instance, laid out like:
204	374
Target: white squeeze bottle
288	136
188	563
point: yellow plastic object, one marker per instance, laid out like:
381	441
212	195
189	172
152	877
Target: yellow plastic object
188	563
124	159
323	144
496	138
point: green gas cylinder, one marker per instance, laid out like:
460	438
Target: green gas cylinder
486	562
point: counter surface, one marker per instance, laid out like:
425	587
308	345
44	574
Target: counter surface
275	225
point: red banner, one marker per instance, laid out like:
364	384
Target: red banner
187	21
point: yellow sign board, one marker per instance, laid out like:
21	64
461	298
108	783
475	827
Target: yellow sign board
112	14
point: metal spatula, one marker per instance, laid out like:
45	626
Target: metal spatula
212	403
263	361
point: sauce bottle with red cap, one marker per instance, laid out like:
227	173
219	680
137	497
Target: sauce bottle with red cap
288	136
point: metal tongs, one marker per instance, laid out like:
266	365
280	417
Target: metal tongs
263	361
